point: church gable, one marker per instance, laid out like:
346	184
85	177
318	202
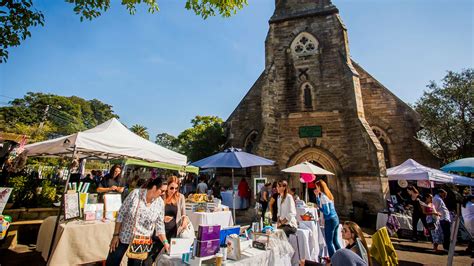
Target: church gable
245	120
393	121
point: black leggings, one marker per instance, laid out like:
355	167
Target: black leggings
264	207
414	223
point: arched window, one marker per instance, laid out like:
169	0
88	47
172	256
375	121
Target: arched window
384	141
308	99
304	44
250	141
306	94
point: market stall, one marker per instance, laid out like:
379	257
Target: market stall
233	158
76	242
427	177
279	252
234	202
109	140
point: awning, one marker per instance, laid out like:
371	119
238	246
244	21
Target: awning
187	168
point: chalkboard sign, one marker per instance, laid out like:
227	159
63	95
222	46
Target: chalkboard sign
311	132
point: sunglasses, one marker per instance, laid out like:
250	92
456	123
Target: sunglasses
173	188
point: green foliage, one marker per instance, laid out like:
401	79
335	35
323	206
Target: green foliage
90	9
65	115
22	191
32	193
16	17
47	195
140	131
447	115
206	8
166	140
205	138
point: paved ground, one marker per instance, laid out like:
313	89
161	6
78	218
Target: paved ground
421	253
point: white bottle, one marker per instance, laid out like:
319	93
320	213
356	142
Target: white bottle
261	224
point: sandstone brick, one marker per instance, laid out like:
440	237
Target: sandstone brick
347	103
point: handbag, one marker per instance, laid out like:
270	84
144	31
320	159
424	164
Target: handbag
141	245
188	231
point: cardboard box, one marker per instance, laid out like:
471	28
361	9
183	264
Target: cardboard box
209	232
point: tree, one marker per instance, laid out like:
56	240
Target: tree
140	131
17	16
205	138
447	115
58	115
166	140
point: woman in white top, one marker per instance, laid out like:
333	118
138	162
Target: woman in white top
286	210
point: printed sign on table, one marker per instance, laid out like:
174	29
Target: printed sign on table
71	206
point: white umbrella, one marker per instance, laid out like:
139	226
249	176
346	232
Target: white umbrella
307	168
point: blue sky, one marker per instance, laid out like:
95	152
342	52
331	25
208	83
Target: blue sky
160	70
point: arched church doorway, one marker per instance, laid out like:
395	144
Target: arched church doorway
320	158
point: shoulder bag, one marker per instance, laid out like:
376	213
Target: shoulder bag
141	245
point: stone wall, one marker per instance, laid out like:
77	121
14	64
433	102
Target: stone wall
345	101
398	121
246	117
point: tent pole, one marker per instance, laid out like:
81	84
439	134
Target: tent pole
260	172
233	196
454	235
60	208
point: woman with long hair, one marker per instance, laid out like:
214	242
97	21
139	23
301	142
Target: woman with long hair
351	232
112	182
286	210
417	214
432	220
325	203
175	209
273	202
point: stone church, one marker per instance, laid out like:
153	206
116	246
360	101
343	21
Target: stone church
314	103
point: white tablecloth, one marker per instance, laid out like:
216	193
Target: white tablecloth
301	211
279	254
77	242
223	218
308	242
404	220
227	200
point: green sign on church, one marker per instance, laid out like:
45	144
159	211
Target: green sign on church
311	132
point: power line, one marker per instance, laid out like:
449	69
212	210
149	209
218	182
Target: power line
1	95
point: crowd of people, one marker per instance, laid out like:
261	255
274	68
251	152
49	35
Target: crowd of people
156	210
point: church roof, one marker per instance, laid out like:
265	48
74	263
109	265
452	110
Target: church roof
293	9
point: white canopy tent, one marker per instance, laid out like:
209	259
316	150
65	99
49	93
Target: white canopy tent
412	170
108	140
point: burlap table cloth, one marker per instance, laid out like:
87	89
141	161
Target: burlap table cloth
77	242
